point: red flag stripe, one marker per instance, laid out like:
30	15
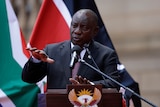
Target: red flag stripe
63	10
24	44
50	26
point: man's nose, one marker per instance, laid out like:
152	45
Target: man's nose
78	30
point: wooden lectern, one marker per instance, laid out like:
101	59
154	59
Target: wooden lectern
59	97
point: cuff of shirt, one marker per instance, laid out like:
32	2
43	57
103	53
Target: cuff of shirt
35	60
91	83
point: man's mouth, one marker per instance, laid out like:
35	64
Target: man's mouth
76	38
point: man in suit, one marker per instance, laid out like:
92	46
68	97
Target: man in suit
55	59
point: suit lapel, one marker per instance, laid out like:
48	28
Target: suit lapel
83	68
65	52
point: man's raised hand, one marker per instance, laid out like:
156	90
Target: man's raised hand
40	55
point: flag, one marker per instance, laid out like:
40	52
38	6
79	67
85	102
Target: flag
52	25
13	91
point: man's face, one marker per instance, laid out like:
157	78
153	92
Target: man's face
82	29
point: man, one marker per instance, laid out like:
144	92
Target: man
55	59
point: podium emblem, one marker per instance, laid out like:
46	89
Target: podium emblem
85	97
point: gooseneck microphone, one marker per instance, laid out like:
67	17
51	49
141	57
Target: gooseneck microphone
106	76
75	52
86	46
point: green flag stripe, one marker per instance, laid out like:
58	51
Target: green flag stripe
22	94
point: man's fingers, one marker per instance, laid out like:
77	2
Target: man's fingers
40	54
82	80
49	60
85	81
31	49
73	81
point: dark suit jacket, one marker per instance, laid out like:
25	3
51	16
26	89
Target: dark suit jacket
59	72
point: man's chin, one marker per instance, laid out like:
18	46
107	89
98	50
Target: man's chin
75	42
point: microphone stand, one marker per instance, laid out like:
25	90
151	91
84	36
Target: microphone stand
103	74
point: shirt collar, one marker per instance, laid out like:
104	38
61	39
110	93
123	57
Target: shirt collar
82	52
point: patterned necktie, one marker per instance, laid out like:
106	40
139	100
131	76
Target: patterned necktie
75	69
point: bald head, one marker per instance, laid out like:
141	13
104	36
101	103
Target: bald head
88	13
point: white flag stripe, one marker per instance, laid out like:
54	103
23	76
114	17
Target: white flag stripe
5	101
15	35
63	10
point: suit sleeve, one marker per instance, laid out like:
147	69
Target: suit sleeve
33	72
109	67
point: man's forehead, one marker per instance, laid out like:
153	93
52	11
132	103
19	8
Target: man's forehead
80	14
80	18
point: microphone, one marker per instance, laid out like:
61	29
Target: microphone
106	76
75	52
86	46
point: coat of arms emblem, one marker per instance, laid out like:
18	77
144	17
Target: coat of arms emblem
85	97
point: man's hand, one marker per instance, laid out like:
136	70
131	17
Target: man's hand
40	55
79	80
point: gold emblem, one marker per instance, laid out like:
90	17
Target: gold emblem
85	97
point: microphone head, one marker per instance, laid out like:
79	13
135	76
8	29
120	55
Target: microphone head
76	48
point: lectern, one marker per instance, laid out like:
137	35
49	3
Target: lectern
62	97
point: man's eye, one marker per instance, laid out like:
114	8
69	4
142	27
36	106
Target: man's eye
85	28
74	25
